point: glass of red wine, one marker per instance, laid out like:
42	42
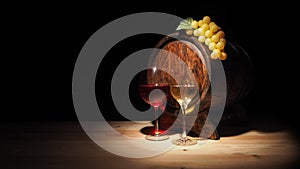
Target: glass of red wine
154	90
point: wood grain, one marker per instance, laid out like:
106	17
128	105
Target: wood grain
65	145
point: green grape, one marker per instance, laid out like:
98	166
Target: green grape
189	32
216	53
221	34
211	23
201	38
207	41
214	28
201	31
223	56
194	24
220	45
215	38
200	23
212	46
205	26
197	32
222	40
206	19
208	33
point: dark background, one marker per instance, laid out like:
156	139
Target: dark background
43	41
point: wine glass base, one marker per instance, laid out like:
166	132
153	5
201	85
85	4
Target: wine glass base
184	142
156	137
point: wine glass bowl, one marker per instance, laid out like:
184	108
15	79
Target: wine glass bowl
154	94
183	93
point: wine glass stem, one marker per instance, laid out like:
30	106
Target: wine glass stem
156	131
183	135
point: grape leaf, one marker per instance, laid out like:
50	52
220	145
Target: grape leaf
185	24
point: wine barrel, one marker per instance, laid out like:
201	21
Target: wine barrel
237	68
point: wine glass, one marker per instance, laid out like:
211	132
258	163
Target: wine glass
154	90
184	93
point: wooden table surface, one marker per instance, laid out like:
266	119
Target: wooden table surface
65	145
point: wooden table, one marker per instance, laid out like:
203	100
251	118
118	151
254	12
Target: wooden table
65	145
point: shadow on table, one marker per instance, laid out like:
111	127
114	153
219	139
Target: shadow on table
236	122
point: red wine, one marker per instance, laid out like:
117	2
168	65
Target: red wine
154	94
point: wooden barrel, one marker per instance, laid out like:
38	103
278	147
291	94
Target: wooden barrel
237	67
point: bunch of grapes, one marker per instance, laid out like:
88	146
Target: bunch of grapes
211	34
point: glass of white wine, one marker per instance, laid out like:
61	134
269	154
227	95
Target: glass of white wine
184	93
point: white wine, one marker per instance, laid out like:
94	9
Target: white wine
183	93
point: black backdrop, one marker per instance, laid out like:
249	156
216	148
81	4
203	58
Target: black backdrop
43	41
